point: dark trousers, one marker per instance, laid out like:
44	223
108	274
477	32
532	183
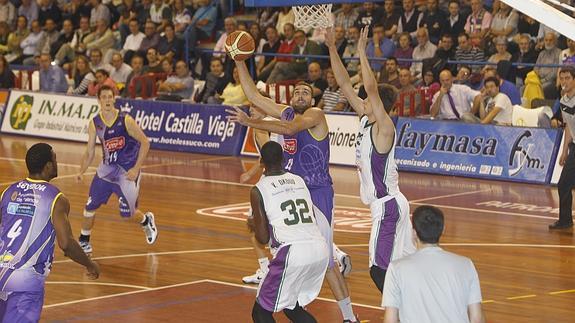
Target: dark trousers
565	187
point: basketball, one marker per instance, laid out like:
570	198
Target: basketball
240	45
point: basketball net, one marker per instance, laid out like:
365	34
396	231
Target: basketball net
313	16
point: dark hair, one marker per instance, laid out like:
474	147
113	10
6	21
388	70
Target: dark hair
103	72
492	79
392	59
378	25
272	154
25	18
568	69
454	1
450	36
306	84
428	223
464	34
104	88
37	157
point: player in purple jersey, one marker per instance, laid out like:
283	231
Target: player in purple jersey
306	154
34	214
124	148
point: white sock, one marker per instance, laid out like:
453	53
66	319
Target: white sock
264	263
85	232
346	309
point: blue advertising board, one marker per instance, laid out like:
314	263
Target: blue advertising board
475	150
186	127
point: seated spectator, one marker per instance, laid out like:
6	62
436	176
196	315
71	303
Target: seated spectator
7	77
268	17
314	78
424	49
410	19
102	38
468	53
181	17
143	12
215	82
379	47
230	25
463	75
404	51
270	47
292	70
102	78
177	87
52	77
233	94
455	24
527	26
151	38
478	23
505	87
136	85
127	11
548	75
170	46
445	48
340	40
285	16
167	66
412	99
82	75
259	40
287	46
75	9
390	73
497	108
49	38
390	19
202	24
502	54
454	100
504	22
346	16
153	62
7	12
96	61
410	290
68	51
48	10
4	34
568	54
434	20
332	99
66	37
99	12
120	70
160	14
368	16
133	40
526	54
14	53
29	10
352	65
430	85
30	44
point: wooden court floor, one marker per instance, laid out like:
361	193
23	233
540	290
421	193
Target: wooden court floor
193	272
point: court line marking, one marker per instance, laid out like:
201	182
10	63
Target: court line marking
521	297
95	283
450	195
471	244
487	211
562	292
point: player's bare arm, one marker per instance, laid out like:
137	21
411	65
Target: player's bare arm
261	224
312	118
88	156
341	75
384	127
135	131
269	106
260	137
66	240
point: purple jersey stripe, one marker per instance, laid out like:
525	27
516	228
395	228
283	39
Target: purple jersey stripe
272	284
274	243
378	167
386	235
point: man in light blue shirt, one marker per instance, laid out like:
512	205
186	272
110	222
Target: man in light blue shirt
52	77
379	47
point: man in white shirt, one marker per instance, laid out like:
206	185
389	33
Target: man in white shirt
453	101
424	49
431	285
230	25
121	70
133	41
498	108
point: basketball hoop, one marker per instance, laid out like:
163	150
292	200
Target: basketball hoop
313	16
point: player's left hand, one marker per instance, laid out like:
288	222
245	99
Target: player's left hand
362	42
238	115
132	174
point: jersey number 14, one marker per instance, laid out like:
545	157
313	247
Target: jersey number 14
298	211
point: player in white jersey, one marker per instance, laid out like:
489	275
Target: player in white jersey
284	217
391	231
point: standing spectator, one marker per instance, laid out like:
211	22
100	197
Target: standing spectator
504	22
202	24
346	16
7	13
151	38
411	285
332	99
102	79
567	157
82	75
352	66
548	75
527	55
135	85
30	44
315	80
29	9
410	19
468	53
455	24
298	66
153	65
181	17
102	38
501	53
7	77
99	12
285	16
160	14
270	47
230	25
478	23
368	16
390	19
424	49
68	52
52	77
390	73
453	101
15	38
178	87
120	70
133	40
170	46
96	61
568	54
434	20
379	47
287	46
49	37
215	81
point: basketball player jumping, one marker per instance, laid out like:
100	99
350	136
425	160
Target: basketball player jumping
34	213
306	154
391	228
283	215
124	147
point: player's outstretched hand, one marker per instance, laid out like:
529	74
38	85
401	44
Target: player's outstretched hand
362	43
79	178
329	38
132	174
238	115
93	270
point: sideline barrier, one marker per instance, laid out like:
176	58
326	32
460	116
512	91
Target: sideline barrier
169	125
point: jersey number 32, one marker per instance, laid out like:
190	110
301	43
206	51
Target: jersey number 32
298	211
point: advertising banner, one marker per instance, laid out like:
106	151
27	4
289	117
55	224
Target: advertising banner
474	150
49	115
343	130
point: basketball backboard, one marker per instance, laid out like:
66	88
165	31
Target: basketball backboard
546	14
